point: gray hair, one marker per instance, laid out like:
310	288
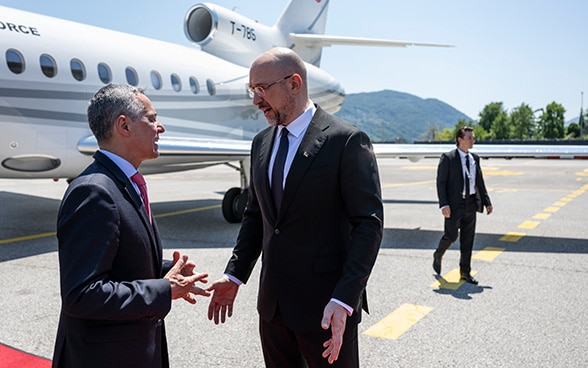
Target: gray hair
108	104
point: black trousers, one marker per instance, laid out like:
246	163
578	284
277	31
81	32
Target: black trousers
462	222
284	348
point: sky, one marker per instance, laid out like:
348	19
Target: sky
514	52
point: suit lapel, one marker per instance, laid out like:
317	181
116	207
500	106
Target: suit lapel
263	160
126	187
311	144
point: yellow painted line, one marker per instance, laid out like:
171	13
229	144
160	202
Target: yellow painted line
542	216
451	280
407	184
28	237
488	254
529	224
183	212
559	204
512	237
502	173
46	235
419	168
566	199
398	322
551	209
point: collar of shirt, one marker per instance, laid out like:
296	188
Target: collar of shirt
299	125
296	130
127	168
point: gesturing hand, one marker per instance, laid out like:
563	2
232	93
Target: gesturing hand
182	279
221	303
334	316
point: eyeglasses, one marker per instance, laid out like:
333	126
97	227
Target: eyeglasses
260	91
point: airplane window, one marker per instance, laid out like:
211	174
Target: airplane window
15	61
78	70
132	77
48	66
156	79
194	85
211	87
176	84
104	73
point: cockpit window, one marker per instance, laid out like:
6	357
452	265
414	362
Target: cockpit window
15	61
176	83
156	79
78	70
132	77
48	66
104	73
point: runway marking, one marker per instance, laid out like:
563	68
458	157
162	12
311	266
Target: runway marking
182	212
551	209
28	237
407	184
398	322
451	280
512	237
53	233
529	224
542	216
488	254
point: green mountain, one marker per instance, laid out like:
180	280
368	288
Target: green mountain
391	116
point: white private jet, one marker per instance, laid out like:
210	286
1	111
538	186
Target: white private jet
50	68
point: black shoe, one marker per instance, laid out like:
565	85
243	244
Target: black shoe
437	264
469	278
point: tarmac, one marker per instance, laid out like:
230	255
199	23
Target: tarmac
530	256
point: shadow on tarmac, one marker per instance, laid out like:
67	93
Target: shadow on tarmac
27	226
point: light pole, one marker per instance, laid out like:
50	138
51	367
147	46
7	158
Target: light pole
581	122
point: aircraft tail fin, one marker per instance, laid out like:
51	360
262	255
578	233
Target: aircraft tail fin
304	17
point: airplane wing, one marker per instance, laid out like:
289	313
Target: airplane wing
415	152
317	40
183	153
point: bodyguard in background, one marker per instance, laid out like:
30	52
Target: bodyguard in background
461	192
115	287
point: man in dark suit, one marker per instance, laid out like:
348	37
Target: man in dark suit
113	290
462	192
320	231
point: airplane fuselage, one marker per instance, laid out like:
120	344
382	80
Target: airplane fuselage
50	68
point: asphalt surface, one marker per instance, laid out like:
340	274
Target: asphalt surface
529	310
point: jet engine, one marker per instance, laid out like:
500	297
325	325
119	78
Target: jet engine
228	35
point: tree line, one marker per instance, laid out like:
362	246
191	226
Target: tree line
521	123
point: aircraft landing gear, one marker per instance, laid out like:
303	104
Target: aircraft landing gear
234	203
235	199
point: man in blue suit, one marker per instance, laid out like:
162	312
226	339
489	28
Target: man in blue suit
115	287
315	215
461	192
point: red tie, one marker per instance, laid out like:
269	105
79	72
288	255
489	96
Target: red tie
140	181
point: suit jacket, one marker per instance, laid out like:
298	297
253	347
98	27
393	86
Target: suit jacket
450	182
324	242
110	259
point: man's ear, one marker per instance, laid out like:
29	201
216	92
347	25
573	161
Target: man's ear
121	125
296	82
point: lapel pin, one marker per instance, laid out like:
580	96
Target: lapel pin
305	154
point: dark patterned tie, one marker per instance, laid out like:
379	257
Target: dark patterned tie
278	169
140	181
467	177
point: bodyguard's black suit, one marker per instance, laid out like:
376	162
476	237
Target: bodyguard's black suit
324	241
450	189
113	296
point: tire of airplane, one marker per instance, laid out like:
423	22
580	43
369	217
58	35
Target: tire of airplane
233	205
